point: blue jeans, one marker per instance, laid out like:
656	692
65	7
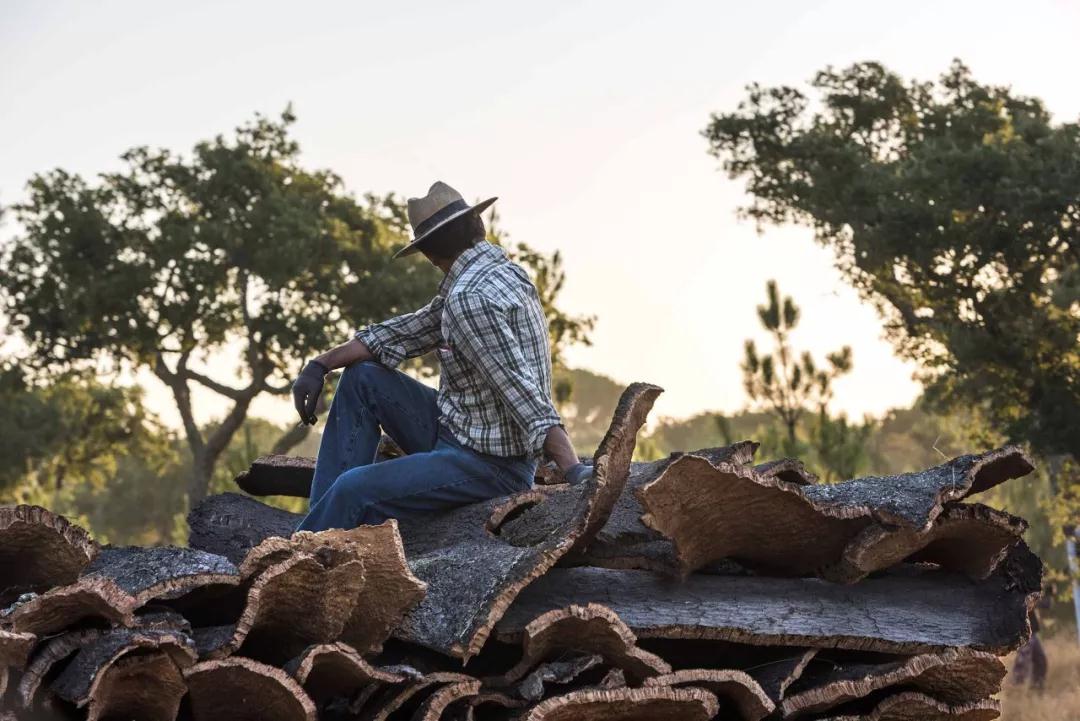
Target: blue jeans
349	489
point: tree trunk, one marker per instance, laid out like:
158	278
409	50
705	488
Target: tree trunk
202	470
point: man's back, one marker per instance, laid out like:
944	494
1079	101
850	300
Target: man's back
495	357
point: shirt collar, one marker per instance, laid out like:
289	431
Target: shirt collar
481	254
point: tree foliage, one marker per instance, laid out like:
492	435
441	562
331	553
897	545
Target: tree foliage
783	382
236	255
65	432
955	207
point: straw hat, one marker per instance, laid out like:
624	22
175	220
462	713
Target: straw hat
441	205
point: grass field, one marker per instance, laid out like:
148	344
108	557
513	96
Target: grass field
1060	700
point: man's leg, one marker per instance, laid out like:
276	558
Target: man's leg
370	396
446	477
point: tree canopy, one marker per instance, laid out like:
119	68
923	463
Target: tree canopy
955	207
236	249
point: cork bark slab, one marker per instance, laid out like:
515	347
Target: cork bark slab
15	647
714	511
776	677
66	606
915	499
589	629
281	475
624	541
954	676
145	687
897	613
789	470
47	655
914	706
162	571
555	673
735	689
967	538
278	475
337	670
230	524
39	550
474	570
306	599
434	706
78	683
389	589
240	689
396	699
630	704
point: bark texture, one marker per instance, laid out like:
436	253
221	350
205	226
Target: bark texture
904	613
473	574
39	550
241	689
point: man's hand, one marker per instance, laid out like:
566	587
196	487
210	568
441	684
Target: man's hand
577	473
306	390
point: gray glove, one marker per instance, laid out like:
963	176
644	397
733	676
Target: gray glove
577	473
306	390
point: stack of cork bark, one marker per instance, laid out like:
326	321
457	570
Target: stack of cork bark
701	586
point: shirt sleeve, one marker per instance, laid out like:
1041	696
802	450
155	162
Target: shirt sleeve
480	330
404	336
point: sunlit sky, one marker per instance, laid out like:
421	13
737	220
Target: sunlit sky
583	117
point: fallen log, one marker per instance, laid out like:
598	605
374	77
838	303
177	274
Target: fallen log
734	690
628	704
39	550
953	676
713	511
44	614
914	706
474	571
240	689
148	687
912	612
590	629
161	571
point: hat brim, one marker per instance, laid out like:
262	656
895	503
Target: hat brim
412	247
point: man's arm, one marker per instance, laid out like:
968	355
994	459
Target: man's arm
345	354
388	342
559	447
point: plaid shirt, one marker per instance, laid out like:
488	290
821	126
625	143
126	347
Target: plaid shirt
492	340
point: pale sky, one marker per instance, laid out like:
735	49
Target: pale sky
584	118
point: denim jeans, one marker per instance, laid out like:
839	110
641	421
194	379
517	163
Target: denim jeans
349	489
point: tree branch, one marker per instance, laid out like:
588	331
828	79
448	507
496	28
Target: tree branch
235	394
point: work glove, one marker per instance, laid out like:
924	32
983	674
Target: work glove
306	390
577	473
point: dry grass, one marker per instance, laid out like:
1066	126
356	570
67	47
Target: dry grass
1060	700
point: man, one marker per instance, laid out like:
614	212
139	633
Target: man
480	436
